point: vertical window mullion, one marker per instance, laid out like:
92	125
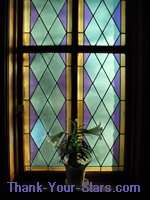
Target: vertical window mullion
74	58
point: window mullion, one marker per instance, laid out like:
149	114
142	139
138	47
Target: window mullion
74	58
72	49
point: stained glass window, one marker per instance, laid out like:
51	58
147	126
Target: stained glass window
101	98
46	103
106	18
60	84
47	22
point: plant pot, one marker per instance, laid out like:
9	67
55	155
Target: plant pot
76	176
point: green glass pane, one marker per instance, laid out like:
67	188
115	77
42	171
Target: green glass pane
57	32
92	66
47	57
93	38
38	66
92	100
101	150
37	34
111	66
101	115
91	125
111	4
111	32
56	66
38	133
48	40
56	100
93	4
111	100
102	57
102	41
47	150
110	133
94	162
47	117
58	4
48	15
47	83
56	128
109	161
39	160
56	161
38	100
92	140
39	4
102	15
101	83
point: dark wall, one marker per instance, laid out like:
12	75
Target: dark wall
3	93
145	170
138	119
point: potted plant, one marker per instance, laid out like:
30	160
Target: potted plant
75	152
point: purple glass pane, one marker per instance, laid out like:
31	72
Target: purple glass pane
62	83
116	117
87	83
64	41
34	15
62	116
33	83
116	16
86	55
34	149
118	42
32	55
63	56
86	42
87	16
116	83
87	116
32	41
33	117
117	56
62	16
115	149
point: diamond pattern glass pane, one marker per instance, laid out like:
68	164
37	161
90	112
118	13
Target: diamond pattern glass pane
106	18
47	22
103	84
45	102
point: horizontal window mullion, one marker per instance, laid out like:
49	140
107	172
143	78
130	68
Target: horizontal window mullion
101	49
72	49
44	49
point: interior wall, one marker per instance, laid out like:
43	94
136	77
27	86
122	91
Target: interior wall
3	96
